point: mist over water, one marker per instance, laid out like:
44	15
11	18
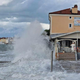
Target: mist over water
31	59
32	44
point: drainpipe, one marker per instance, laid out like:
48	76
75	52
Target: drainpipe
77	47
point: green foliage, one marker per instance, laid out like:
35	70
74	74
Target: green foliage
48	32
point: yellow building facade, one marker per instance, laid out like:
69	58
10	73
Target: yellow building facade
65	21
4	40
65	31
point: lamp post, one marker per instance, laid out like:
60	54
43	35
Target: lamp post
51	61
52	48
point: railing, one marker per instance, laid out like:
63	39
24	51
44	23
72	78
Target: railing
65	49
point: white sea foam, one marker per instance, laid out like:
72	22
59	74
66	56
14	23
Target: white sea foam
32	59
32	44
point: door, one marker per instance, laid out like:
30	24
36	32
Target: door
78	49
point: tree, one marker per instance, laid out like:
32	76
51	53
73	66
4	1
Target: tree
48	32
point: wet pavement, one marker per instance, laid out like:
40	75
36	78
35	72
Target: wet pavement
67	66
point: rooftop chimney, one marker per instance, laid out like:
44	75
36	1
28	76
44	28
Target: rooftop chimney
75	9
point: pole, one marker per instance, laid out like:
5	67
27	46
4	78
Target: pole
77	47
51	61
77	40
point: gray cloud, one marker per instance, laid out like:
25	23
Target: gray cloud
16	12
30	10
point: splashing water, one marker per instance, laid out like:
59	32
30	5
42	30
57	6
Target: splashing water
31	45
32	59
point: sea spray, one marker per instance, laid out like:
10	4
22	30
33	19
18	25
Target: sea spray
32	44
32	57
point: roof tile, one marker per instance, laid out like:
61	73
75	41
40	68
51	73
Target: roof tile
65	11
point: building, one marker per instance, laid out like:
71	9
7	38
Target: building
5	40
64	30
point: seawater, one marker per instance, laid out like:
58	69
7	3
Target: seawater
30	58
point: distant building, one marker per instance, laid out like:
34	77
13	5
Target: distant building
64	30
5	40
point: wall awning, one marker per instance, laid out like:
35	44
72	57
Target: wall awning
72	35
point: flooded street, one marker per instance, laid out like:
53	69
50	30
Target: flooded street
68	66
30	60
37	70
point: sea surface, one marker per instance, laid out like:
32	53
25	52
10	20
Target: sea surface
29	58
35	69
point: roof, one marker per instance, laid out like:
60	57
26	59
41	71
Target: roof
65	11
53	36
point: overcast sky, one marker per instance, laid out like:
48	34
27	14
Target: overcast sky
16	14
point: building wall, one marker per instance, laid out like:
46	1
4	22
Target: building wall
60	24
3	40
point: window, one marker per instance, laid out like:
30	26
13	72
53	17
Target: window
70	25
70	17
